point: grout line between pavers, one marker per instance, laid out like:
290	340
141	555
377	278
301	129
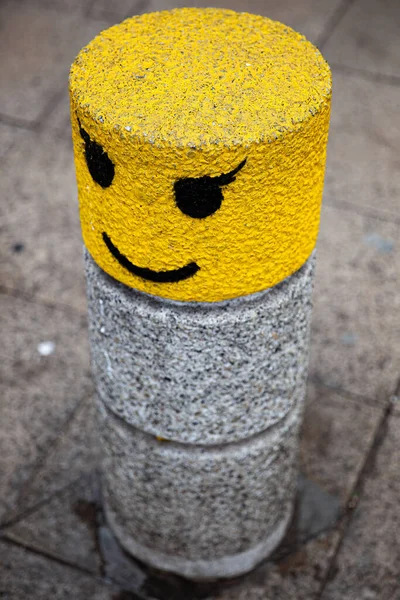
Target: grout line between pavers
333	22
37	123
355	496
27	512
353	396
373	402
49	108
17	122
365	74
52	558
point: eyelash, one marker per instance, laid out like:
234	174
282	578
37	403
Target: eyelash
196	197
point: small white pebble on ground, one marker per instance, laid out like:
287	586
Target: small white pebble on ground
46	348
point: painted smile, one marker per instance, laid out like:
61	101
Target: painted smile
171	276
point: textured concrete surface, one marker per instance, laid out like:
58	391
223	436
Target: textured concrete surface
354	294
224	509
187	374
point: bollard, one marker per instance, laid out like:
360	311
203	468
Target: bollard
200	142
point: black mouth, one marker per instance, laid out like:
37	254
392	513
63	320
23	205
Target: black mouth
158	276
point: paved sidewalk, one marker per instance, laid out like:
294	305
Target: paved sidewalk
344	543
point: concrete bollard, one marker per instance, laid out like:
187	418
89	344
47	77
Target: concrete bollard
200	140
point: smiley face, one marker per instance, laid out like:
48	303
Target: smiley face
172	208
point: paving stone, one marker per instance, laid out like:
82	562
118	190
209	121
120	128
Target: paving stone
37	46
75	454
24	574
356	327
368	564
58	123
309	16
40	390
9	136
73	513
42	251
368	37
363	151
337	432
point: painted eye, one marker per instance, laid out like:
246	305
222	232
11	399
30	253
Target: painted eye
98	162
200	197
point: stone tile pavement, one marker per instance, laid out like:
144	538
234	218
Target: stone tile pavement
344	542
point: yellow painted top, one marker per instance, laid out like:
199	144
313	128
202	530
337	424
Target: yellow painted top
200	139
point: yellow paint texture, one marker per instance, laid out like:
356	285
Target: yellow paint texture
189	93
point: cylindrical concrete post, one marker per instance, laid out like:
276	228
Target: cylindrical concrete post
200	139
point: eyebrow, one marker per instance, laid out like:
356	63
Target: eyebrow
84	134
226	178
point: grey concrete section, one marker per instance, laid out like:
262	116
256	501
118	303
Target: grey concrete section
371	134
41	250
309	17
368	564
24	574
200	374
197	510
37	45
39	392
356	327
368	37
